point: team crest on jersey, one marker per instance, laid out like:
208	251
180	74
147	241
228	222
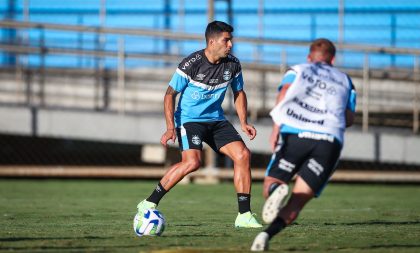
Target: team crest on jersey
227	75
200	77
196	140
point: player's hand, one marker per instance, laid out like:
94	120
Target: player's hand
274	138
249	130
170	134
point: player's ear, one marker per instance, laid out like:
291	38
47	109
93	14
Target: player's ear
210	42
333	61
309	58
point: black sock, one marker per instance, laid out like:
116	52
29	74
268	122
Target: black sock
275	227
244	202
157	194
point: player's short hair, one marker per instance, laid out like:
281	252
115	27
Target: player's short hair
215	28
322	50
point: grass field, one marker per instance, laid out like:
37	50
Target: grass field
96	216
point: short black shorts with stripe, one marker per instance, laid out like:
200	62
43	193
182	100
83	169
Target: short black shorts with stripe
216	134
313	160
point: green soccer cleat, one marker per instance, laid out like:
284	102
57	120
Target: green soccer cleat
247	220
260	242
143	205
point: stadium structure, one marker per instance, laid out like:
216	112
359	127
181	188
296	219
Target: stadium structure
82	82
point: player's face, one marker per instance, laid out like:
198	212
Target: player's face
223	44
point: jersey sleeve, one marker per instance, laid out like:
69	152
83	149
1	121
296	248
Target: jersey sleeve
179	80
237	82
288	78
351	103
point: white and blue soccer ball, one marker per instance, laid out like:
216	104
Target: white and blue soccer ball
151	223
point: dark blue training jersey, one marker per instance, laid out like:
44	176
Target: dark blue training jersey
202	86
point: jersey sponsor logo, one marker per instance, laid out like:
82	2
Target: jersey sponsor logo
331	91
315	167
200	77
196	140
329	76
308	107
197	96
318	83
310	92
227	75
316	136
191	61
213	81
286	166
300	117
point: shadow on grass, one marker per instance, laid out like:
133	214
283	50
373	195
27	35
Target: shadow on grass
392	246
198	250
375	222
198	235
70	248
375	247
17	239
186	225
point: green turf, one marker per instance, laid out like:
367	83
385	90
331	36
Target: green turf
96	216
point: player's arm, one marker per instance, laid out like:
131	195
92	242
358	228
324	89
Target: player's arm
351	105
288	79
177	84
349	118
169	108
274	137
241	105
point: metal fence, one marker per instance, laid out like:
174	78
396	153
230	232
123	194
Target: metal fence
128	89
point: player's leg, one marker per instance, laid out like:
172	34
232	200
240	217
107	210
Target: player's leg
191	161
229	142
189	138
240	155
313	177
284	164
301	194
275	191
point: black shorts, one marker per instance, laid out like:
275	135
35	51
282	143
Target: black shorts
216	134
313	160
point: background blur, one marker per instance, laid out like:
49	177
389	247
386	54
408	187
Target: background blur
82	82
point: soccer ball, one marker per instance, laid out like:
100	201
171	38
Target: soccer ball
151	223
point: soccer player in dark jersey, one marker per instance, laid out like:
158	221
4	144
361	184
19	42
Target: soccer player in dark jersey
315	103
201	80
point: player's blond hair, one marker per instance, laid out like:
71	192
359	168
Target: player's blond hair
322	50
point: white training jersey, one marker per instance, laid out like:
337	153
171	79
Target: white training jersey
316	100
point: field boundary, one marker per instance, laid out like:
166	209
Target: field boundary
205	175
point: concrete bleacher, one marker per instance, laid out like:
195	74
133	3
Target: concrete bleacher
71	109
64	81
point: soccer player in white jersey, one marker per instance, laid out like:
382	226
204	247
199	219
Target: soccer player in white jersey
201	80
315	103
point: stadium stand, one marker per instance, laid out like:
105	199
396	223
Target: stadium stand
89	84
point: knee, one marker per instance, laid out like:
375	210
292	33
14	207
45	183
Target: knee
242	155
191	165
